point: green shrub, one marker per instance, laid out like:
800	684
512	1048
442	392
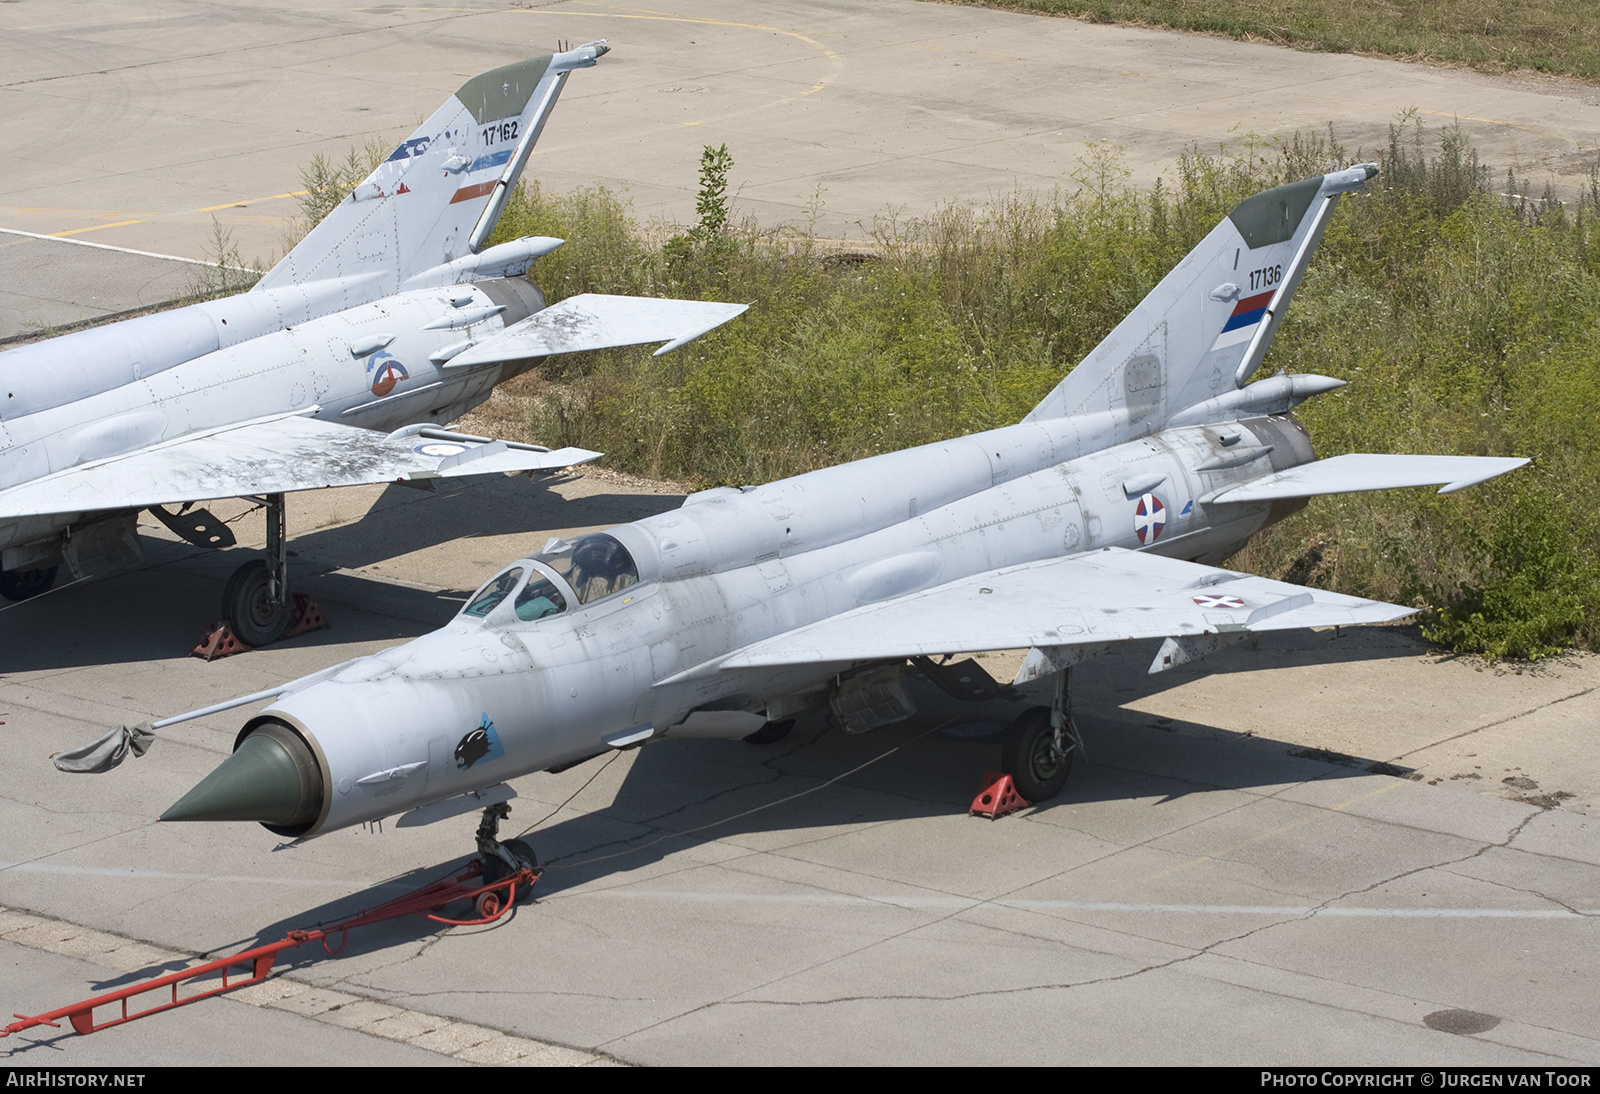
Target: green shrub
1465	323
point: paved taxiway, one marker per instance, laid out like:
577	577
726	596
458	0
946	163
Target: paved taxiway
148	123
1209	888
1199	893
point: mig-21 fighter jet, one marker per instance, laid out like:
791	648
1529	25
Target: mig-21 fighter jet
1105	516
342	366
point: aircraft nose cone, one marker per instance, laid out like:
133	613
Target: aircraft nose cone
272	778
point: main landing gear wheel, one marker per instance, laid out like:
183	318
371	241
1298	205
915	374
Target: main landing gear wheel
256	602
771	732
22	584
258	618
1036	761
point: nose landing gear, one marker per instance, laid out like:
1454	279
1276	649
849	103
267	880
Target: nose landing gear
512	858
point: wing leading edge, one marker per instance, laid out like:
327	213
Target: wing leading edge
272	456
1064	609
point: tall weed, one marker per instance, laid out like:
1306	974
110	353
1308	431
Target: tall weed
1464	321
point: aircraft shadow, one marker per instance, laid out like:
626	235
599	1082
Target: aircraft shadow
161	609
405	520
820	781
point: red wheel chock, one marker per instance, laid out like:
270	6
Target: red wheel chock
304	616
998	797
220	641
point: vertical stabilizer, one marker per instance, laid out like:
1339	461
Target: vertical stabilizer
437	197
1203	331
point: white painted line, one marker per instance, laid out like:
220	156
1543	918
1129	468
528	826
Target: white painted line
55	869
109	247
941	903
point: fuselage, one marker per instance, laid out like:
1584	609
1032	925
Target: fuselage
105	392
492	696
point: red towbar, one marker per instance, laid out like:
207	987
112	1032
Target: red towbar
490	902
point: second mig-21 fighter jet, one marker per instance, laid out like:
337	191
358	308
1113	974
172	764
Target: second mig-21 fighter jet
1103	517
388	321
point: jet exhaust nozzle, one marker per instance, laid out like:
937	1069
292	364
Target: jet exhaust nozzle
272	777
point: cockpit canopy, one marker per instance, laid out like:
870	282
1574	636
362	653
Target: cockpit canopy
595	565
591	567
535	599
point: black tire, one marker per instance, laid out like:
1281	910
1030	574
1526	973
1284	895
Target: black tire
771	732
495	869
1030	758
520	849
22	584
248	607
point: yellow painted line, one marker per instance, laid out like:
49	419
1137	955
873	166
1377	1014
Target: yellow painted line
252	201
1525	126
662	17
46	210
1465	117
94	228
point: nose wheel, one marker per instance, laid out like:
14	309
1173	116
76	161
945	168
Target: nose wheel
512	858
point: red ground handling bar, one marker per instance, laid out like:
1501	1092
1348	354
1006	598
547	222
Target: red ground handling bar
490	902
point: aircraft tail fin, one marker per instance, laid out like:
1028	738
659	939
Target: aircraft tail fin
438	195
1204	329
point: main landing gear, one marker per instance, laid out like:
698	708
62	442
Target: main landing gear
257	607
23	584
1041	745
256	601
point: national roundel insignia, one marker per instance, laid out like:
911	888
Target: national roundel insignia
1207	600
1149	517
386	371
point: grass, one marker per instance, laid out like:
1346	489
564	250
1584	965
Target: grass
1466	325
1499	36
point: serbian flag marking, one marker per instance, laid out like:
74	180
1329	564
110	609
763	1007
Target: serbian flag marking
1241	324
